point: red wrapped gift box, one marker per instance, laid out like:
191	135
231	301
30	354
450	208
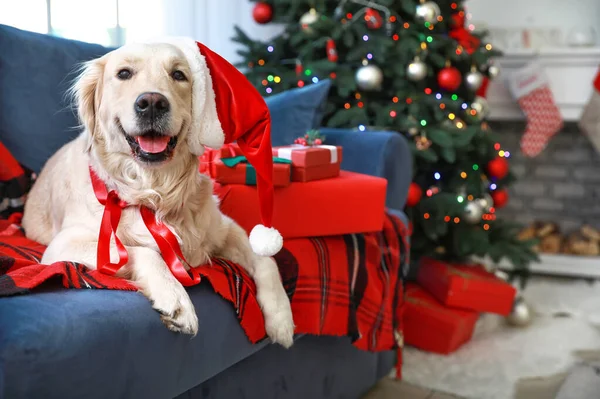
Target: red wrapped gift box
466	287
431	326
311	162
244	173
350	203
211	163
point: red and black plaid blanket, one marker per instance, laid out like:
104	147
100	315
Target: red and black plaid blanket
341	286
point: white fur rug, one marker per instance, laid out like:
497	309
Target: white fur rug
498	356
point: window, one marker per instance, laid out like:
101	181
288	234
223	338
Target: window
106	22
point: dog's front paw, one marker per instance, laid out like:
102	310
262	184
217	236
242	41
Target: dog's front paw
176	311
279	323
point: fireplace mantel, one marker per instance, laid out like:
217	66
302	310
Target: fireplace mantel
571	72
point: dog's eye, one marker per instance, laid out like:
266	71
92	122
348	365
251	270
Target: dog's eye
178	75
124	74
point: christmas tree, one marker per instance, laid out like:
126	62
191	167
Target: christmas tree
416	67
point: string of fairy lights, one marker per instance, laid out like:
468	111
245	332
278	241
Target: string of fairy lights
475	110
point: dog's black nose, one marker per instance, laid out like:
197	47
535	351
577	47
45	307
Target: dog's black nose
151	105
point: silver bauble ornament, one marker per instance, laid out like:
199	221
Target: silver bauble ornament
369	77
309	18
521	314
486	202
473	212
428	11
481	106
416	70
473	80
493	71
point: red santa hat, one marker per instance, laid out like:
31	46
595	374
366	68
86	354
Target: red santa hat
227	108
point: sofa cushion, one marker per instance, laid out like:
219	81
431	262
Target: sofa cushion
295	111
103	341
36	70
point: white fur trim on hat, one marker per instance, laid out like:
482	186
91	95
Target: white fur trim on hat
206	128
265	241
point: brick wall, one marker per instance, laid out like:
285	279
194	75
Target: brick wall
562	184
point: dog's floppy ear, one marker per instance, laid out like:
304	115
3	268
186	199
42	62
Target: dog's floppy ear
87	93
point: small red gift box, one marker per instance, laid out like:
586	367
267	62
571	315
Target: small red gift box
431	326
349	203
228	166
311	162
466	287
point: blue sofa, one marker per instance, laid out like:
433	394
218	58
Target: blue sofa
111	344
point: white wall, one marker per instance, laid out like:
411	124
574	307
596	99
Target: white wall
215	27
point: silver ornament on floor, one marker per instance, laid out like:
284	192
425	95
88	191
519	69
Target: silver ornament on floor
486	202
416	70
428	11
369	77
309	18
473	212
521	314
473	80
493	71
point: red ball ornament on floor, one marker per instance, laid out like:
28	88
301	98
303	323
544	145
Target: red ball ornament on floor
415	192
498	168
449	78
262	13
500	198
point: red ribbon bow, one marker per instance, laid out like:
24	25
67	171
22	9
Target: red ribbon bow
458	32
163	236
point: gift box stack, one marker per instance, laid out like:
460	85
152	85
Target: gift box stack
442	307
313	197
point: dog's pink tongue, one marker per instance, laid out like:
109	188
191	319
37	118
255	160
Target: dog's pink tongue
153	145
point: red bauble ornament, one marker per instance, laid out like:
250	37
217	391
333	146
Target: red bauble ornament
415	192
262	13
332	54
318	142
500	198
449	78
498	168
373	18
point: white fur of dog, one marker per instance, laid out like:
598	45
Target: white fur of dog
63	212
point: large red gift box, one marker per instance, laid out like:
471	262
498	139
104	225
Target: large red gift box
430	326
466	287
349	203
311	162
240	171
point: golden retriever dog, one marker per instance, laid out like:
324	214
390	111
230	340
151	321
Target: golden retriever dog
135	105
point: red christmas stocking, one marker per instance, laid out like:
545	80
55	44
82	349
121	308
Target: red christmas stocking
530	87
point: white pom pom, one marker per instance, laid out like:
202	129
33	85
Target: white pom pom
265	241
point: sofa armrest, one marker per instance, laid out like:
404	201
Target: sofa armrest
376	153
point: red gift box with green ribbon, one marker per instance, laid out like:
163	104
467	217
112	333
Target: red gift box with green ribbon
432	327
466	287
228	166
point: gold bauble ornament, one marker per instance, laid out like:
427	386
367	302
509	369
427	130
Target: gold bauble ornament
307	19
493	71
